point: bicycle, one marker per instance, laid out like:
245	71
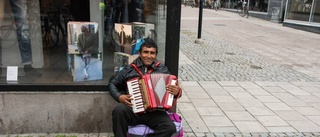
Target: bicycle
52	29
49	34
242	8
189	3
54	16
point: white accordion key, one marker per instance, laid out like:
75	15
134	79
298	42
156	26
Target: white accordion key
170	96
134	91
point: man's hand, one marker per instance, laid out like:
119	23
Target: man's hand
174	89
125	99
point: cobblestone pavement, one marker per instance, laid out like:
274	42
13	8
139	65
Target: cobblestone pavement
220	60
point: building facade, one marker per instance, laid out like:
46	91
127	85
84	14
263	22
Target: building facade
300	14
303	14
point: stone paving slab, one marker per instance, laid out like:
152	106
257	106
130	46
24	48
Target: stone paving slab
212	110
239	115
266	116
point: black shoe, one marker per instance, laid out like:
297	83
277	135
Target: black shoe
30	71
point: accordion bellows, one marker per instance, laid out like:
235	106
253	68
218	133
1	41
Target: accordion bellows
149	92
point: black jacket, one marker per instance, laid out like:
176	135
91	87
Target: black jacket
118	84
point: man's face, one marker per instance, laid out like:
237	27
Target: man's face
84	29
148	55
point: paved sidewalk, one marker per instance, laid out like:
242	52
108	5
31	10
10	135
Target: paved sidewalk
248	77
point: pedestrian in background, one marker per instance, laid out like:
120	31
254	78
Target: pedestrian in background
216	5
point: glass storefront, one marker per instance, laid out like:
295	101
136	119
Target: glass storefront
303	10
71	42
316	12
254	5
299	10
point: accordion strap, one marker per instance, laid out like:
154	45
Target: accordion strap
138	70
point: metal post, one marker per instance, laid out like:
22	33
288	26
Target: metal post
248	5
173	37
200	19
164	8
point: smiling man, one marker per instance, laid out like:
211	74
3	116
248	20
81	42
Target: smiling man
123	115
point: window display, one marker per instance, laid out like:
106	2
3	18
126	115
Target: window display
85	62
20	44
131	35
122	59
303	10
52	43
254	5
299	10
130	38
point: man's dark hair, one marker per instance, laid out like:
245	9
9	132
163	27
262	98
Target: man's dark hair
149	43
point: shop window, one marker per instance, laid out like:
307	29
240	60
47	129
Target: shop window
316	14
39	37
254	5
259	5
299	10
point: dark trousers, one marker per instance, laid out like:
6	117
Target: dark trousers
19	10
121	13
159	121
122	48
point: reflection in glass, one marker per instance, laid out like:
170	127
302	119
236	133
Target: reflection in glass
254	5
85	62
47	22
299	10
316	15
18	46
259	5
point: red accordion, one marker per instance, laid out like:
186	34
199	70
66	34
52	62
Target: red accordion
149	92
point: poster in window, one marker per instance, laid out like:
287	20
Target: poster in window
84	56
131	35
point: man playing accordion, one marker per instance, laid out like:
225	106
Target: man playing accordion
123	115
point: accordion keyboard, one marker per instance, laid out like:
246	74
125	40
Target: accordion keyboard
134	91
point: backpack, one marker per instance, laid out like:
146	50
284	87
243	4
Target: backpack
142	130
